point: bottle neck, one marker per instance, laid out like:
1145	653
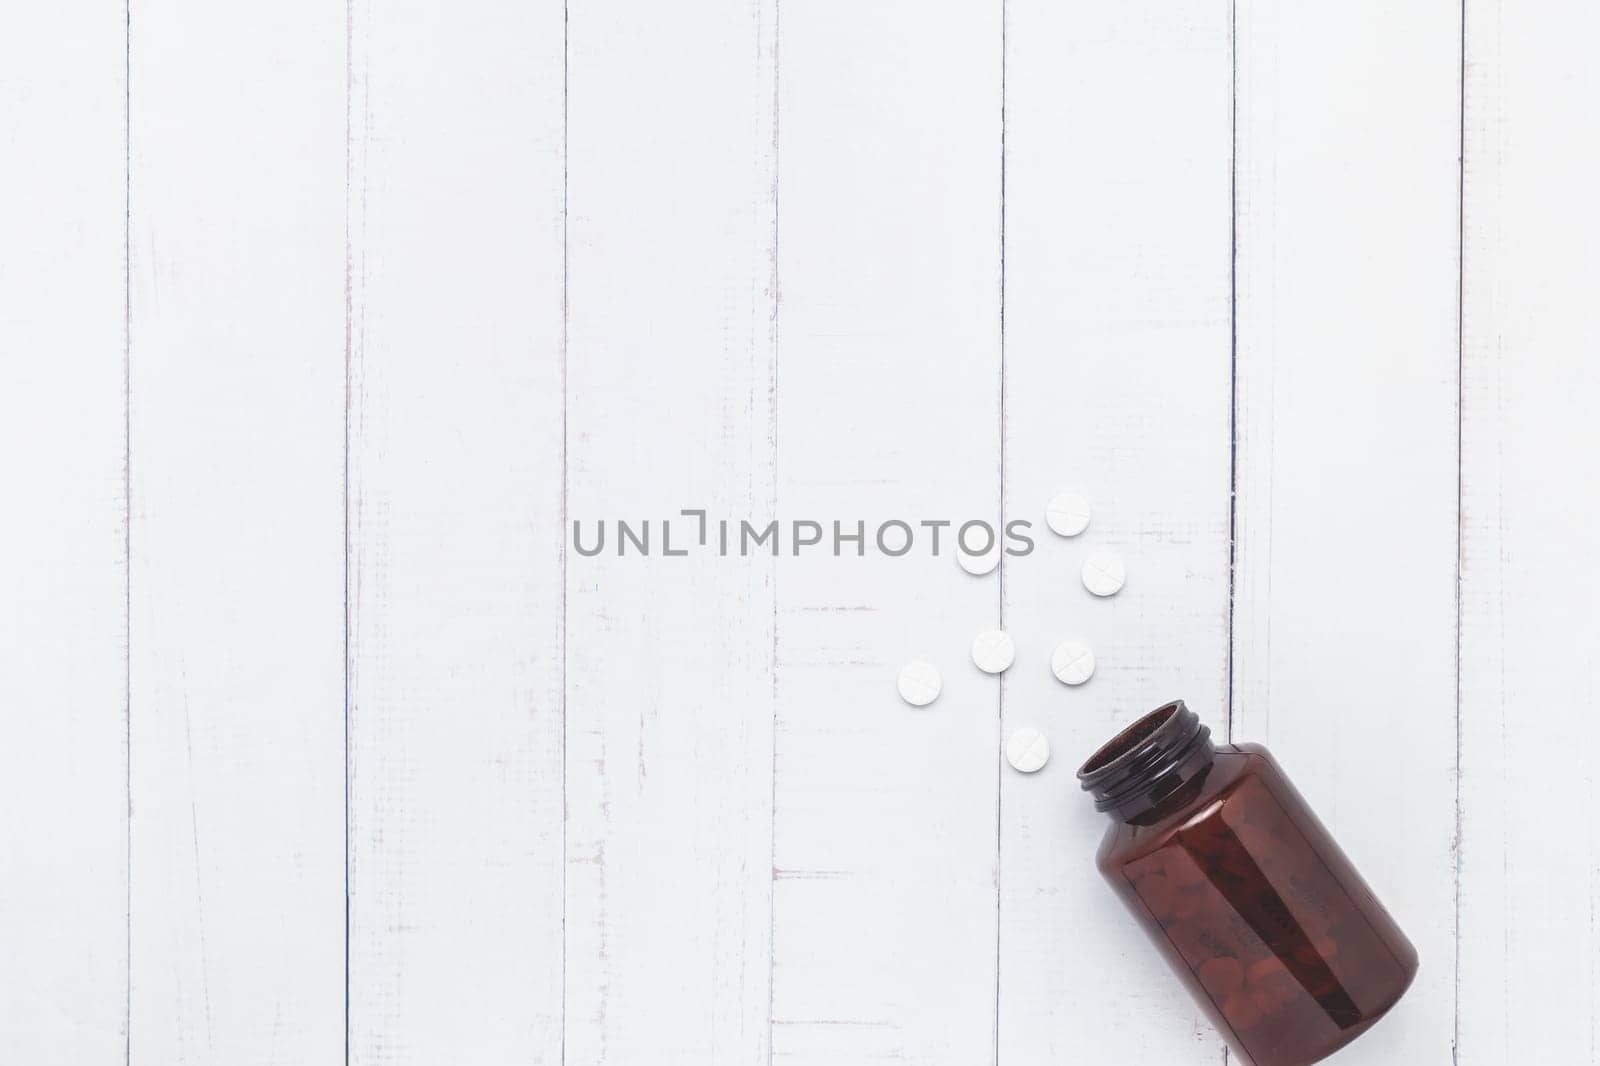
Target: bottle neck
1147	765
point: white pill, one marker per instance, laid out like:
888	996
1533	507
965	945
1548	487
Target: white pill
1027	750
1103	574
1068	514
993	651
1072	662
919	683
978	565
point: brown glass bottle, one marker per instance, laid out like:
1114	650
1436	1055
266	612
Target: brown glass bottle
1244	891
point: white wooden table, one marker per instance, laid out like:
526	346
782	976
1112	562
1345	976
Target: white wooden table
321	326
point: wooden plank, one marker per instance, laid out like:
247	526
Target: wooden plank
1117	386
1530	675
456	533
889	243
63	780
669	406
1345	602
237	568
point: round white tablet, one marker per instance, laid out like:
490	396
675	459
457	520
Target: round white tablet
993	651
919	683
1103	574
1072	662
1068	514
1027	750
978	565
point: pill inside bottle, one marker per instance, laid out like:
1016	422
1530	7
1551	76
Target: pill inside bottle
1254	905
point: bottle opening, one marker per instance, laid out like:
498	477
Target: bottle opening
1148	761
1129	738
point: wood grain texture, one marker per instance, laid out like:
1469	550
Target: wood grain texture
1345	615
320	326
237	569
1117	387
1530	673
455	536
889	258
669	711
63	783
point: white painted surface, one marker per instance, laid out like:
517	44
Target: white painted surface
1530	629
887	406
1117	383
455	532
63	565
408	290
1345	561
236	637
669	666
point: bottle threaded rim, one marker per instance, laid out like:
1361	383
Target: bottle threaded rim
1129	769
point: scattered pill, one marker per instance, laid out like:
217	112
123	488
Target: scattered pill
1027	750
1068	514
1072	662
978	565
1103	574
919	683
993	651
